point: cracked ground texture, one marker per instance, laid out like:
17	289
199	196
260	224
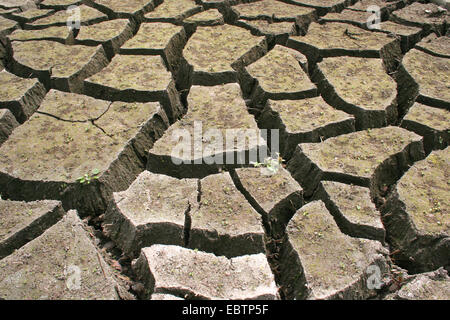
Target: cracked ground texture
93	207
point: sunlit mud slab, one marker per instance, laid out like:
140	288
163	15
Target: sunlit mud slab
75	149
273	10
371	158
7	124
87	16
224	223
305	120
196	274
21	96
7	26
425	15
430	75
136	78
321	262
416	215
173	11
125	9
61	264
158	38
352	209
24	221
216	132
110	34
29	16
145	214
431	123
361	87
436	46
275	195
323	7
212	51
209	17
279	75
341	39
62	35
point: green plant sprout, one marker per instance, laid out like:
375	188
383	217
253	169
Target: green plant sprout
271	164
88	177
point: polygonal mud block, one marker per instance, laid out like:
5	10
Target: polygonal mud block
277	196
72	136
125	9
58	66
416	215
7	26
436	46
21	96
431	123
224	222
321	262
362	5
151	211
23	4
155	38
307	120
278	75
30	15
173	11
373	157
21	222
7	124
353	210
340	39
424	15
409	35
59	34
357	18
194	274
323	7
59	4
61	264
211	52
111	34
280	30
62	18
216	132
425	286
274	10
136	78
209	17
361	87
431	74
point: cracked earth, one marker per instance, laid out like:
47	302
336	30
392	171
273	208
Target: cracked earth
93	207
